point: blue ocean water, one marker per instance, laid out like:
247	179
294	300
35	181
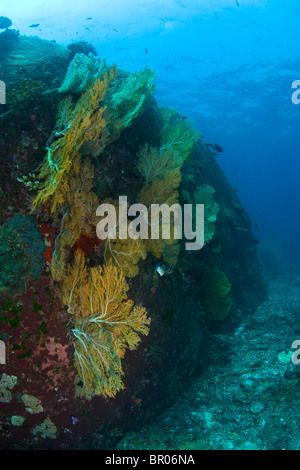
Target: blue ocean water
227	65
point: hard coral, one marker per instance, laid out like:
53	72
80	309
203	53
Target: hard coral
22	89
7	39
5	22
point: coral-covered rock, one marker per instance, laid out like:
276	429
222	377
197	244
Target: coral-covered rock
39	406
15	264
5	22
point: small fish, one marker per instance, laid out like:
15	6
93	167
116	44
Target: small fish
89	18
146	51
237	3
216	15
34	25
160	269
215	147
256	225
256	241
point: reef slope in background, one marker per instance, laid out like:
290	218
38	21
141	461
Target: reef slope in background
38	405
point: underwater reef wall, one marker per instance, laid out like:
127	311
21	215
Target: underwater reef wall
74	133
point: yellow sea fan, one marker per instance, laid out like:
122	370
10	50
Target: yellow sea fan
104	324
